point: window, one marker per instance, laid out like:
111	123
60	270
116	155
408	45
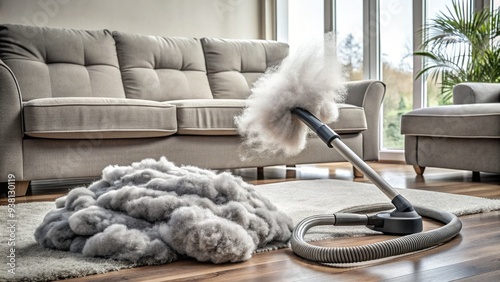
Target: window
396	47
375	40
349	31
496	4
305	20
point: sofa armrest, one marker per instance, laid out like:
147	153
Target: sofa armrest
476	92
368	94
11	125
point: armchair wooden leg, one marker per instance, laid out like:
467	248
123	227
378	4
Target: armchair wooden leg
22	188
357	173
419	169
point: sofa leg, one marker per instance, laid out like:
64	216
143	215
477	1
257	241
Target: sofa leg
291	171
357	173
22	188
260	173
476	176
419	169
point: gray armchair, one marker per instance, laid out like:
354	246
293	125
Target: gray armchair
465	135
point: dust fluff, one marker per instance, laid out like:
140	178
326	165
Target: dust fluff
154	212
310	78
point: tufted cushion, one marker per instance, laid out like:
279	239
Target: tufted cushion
98	118
234	65
162	69
56	62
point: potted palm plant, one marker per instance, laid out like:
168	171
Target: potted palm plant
461	45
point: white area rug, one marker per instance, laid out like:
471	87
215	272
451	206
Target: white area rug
298	199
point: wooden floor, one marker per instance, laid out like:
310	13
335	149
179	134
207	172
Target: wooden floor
474	255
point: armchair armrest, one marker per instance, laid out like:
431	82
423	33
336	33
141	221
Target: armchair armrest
476	92
368	94
11	125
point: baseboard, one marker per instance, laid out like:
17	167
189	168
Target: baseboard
393	156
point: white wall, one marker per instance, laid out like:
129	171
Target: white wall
188	18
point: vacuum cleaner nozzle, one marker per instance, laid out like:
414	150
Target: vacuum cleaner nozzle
396	223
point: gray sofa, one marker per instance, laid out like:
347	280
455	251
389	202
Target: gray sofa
75	101
463	136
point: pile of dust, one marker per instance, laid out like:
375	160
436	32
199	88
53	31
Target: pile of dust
155	212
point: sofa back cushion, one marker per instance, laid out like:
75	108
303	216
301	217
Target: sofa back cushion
234	65
162	69
57	62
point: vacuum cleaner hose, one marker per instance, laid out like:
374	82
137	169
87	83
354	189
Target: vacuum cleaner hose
393	247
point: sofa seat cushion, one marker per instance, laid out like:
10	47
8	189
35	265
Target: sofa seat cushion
454	121
101	118
207	116
216	117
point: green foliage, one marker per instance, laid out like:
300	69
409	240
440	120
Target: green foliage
398	101
460	46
